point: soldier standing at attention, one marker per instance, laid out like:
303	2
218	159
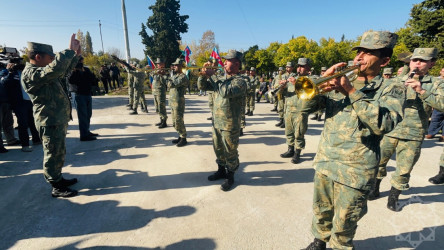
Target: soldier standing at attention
213	63
296	122
138	78
131	83
424	92
229	93
244	102
275	84
282	84
159	88
356	118
254	81
177	84
52	108
318	114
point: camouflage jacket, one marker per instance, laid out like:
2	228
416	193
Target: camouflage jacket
159	84
138	78
292	101
229	96
278	78
348	151
418	108
254	81
44	86
177	84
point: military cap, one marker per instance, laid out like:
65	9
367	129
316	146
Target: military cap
304	61
281	68
387	71
323	68
377	40
160	60
233	54
40	47
289	64
425	54
177	62
252	69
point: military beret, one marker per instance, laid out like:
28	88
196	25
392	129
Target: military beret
387	71
233	54
377	40
304	61
425	54
40	47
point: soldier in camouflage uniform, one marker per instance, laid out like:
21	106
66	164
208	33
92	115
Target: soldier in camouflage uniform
131	84
52	108
424	92
296	122
318	114
275	83
178	84
254	81
213	63
229	91
159	87
138	78
244	102
281	83
387	73
356	118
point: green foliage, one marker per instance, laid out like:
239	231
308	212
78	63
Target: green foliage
166	25
249	59
88	44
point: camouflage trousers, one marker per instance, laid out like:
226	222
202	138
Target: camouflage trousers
407	154
281	107
249	100
159	103
177	112
337	208
138	93
131	93
295	128
276	101
225	144
54	151
210	100
243	122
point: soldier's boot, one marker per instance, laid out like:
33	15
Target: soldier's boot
163	124
158	124
241	133
221	173
60	190
281	121
274	109
67	182
175	141
182	142
315	117
320	118
374	193
439	178
250	113
134	112
317	245
289	153
145	110
226	186
282	125
296	156
392	203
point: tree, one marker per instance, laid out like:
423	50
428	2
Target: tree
166	25
81	39
249	59
88	44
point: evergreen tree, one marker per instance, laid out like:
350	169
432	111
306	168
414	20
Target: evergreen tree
88	44
166	25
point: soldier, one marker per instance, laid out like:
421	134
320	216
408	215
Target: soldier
254	81
229	93
387	73
159	87
138	78
318	114
177	84
275	85
424	92
282	84
357	116
130	88
439	178
244	102
52	110
296	122
213	63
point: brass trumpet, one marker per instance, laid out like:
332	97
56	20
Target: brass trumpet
306	88
196	68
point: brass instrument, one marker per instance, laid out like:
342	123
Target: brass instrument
306	88
196	68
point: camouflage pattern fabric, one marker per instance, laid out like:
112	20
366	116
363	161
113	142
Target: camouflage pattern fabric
225	144
178	84
131	84
159	93
295	129
337	210
250	97
200	83
283	93
407	154
244	102
54	150
138	79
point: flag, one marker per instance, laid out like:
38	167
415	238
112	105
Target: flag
150	62
215	55
187	53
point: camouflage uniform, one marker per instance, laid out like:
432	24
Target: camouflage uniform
178	84
131	84
244	102
249	100
138	78
52	109
200	83
407	137
282	93
159	92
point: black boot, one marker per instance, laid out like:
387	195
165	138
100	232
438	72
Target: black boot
175	141
60	190
163	124
157	124
226	186
182	142
67	182
274	109
439	178
241	133
296	157
315	117
317	245
289	153
320	118
282	125
134	112
250	113
281	121
220	174
392	203
374	193
145	110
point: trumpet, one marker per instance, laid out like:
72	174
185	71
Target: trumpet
196	68
306	88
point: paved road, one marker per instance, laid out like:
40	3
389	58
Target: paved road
137	190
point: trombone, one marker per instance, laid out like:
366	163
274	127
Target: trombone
306	88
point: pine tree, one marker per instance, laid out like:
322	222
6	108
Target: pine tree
88	44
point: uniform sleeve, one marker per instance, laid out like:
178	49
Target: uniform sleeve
204	84
435	97
318	102
232	87
179	81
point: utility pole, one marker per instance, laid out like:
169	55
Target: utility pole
125	32
101	39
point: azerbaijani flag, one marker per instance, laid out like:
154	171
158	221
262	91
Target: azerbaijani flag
215	55
187	55
150	62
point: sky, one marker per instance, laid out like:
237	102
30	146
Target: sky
237	24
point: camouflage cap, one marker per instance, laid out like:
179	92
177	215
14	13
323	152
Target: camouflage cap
304	61
252	69
377	40
159	60
281	68
387	71
233	54
425	54
177	62
323	68
40	47
289	64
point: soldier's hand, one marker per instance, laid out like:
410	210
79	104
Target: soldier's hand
340	84
292	80
415	85
206	71
74	44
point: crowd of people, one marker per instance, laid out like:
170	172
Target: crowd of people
379	115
